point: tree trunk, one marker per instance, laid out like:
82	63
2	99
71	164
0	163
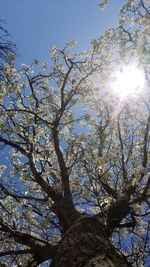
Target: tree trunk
86	244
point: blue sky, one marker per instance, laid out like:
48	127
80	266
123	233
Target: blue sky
36	25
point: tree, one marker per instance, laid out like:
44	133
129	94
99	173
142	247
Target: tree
7	48
75	183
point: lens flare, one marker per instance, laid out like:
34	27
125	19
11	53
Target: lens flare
128	81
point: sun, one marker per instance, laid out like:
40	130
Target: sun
128	81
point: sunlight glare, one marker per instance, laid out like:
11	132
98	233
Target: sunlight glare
128	81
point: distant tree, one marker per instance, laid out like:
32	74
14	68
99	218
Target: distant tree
75	174
7	48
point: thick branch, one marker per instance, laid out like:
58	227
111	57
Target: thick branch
58	199
39	179
41	249
18	196
22	238
14	145
122	152
116	213
64	173
15	252
110	191
144	163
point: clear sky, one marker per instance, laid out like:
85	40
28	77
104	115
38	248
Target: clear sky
36	25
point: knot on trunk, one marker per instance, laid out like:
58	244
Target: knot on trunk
116	213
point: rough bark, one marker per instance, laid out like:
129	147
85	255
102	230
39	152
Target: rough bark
86	244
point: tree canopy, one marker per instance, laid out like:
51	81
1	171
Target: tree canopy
7	48
73	149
